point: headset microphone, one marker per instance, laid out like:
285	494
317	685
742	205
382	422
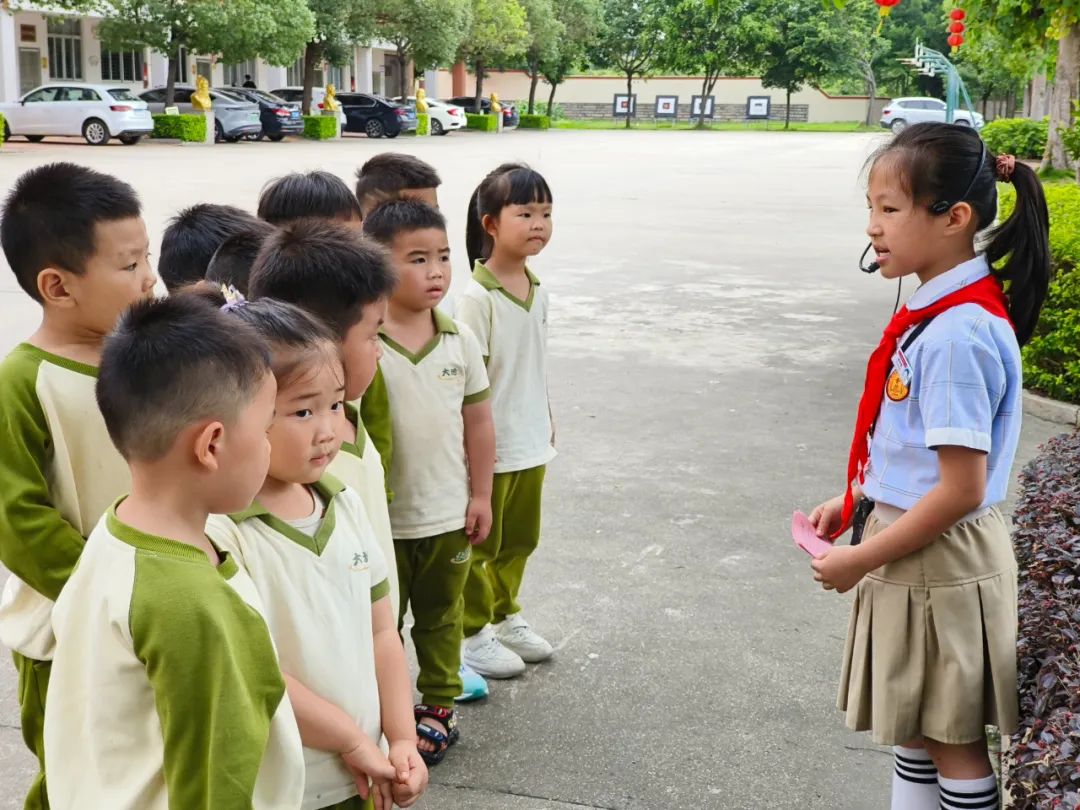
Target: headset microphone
873	267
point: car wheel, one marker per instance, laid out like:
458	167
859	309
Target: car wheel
276	138
961	122
130	140
95	132
219	132
393	134
437	127
374	128
35	138
233	138
898	126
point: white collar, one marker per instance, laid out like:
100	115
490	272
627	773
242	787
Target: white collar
949	282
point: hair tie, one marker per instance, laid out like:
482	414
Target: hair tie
1006	165
234	299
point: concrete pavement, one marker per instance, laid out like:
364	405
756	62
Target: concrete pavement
708	337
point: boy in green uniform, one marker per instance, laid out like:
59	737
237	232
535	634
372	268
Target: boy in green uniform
78	246
192	238
445	450
166	690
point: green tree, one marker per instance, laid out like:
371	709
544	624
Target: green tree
992	68
632	38
497	33
804	43
426	32
583	22
338	26
238	30
545	32
710	37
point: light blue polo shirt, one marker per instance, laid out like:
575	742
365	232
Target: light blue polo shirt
965	391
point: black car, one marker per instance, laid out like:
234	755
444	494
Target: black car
511	116
375	116
278	116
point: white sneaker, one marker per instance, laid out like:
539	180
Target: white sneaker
515	634
486	655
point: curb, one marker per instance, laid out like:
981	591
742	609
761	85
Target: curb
1051	410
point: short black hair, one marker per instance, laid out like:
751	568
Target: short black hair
314	194
49	219
231	263
386	175
389	220
170	363
192	237
325	268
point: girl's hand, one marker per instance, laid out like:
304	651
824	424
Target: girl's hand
478	520
839	569
412	773
371	771
826	517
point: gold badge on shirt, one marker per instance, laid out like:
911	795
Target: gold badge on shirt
896	389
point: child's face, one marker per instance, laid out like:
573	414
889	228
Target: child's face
116	276
310	419
905	235
422	264
246	452
521	230
362	350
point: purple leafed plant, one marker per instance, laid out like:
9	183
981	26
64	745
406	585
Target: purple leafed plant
1045	751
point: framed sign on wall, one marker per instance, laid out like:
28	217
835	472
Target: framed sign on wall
758	107
624	105
667	107
702	107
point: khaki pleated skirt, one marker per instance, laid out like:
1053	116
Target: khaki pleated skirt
931	644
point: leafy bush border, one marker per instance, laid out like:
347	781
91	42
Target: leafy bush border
188	128
484	123
320	127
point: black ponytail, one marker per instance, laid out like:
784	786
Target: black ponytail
1022	244
509	184
946	163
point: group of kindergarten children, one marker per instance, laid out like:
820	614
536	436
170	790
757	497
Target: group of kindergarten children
217	506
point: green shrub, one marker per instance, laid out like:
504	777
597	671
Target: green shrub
534	122
556	113
423	123
1016	136
484	123
1052	357
1	130
189	128
320	127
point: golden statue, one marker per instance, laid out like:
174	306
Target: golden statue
330	103
421	101
496	107
200	99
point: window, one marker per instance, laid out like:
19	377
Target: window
234	74
294	75
44	94
78	94
121	66
154	96
123	94
65	48
179	66
336	76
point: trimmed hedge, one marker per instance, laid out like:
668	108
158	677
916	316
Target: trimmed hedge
484	123
320	127
534	122
1	130
189	128
1046	748
1052	357
423	123
1022	137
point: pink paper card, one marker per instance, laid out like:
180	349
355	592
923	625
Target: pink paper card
805	536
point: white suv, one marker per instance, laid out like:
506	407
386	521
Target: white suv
98	112
903	111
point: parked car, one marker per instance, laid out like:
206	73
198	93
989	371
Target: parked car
511	116
279	117
376	116
234	117
97	112
295	95
903	111
445	117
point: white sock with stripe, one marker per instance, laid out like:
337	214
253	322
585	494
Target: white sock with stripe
915	780
969	794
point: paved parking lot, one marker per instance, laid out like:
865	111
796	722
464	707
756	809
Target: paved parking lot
708	336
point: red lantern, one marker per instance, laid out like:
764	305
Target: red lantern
957	28
956	40
885	8
957	14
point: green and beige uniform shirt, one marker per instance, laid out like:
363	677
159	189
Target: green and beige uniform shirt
165	689
429	472
318	591
513	338
60	474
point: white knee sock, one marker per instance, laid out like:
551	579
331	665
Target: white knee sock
969	794
915	780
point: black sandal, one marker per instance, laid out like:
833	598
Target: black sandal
441	741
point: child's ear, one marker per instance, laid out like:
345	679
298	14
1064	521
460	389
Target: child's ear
490	225
209	442
960	217
54	287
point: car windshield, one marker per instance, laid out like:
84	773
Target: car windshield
229	96
123	94
270	97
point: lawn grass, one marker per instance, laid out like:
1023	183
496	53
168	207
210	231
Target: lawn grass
757	126
1051	177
